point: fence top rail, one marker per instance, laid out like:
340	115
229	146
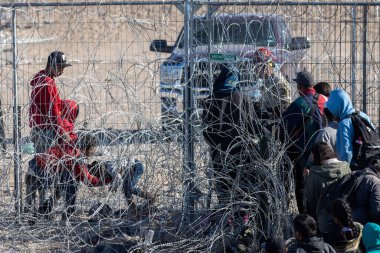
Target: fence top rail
195	2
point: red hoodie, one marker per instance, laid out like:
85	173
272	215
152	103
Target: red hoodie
66	157
321	98
45	104
70	110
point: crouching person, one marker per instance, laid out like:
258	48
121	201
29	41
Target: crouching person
125	177
66	163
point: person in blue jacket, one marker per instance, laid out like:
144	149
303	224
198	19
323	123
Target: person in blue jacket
340	105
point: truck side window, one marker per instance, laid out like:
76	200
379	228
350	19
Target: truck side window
283	31
260	33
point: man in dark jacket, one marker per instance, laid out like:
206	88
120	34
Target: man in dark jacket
300	125
228	124
305	230
366	206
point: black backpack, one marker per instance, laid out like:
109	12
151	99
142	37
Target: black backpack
366	142
344	188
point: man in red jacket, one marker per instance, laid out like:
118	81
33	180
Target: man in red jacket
45	111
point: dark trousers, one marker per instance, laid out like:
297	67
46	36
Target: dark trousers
299	162
224	165
37	181
64	184
239	188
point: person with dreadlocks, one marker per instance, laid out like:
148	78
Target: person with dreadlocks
275	89
347	237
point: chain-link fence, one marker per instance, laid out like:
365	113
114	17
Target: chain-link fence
138	74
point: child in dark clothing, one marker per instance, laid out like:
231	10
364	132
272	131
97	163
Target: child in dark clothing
305	229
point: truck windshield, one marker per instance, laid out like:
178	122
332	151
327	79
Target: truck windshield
232	32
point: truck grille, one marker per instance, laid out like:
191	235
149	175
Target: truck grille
201	73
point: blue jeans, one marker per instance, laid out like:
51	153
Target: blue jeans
131	178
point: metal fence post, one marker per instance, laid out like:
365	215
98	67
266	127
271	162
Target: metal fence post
3	144
16	132
353	56
365	23
188	144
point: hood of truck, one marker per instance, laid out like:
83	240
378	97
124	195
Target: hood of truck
240	51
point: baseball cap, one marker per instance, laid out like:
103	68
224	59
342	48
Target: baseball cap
304	78
56	58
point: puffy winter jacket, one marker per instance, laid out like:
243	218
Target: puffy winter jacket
341	245
366	207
